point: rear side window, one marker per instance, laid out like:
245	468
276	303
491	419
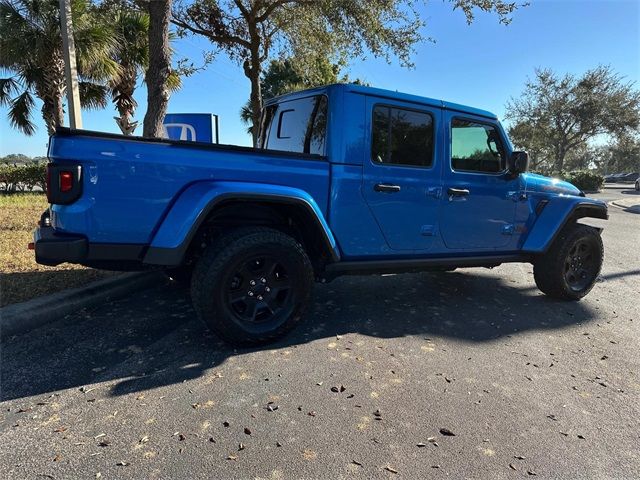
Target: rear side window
476	147
296	126
401	137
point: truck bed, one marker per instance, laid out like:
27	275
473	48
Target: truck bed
130	182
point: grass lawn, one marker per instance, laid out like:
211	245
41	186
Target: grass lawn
21	278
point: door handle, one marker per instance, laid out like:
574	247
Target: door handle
387	188
457	192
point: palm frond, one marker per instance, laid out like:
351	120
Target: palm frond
20	28
92	95
20	109
8	87
174	81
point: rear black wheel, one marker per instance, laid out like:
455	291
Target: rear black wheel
571	266
252	286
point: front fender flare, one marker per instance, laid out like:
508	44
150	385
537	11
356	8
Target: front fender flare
553	218
181	223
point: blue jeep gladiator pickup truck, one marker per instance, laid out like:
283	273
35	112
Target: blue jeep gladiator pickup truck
346	179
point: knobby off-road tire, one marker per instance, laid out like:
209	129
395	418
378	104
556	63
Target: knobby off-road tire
252	286
570	268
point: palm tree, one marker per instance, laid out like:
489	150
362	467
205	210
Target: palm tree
31	51
132	55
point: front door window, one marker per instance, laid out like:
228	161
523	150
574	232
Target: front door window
476	147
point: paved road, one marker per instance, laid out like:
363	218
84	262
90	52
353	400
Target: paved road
528	385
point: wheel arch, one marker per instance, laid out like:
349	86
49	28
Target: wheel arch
232	204
555	216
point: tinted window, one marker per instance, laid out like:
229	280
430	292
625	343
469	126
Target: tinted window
402	137
476	147
296	126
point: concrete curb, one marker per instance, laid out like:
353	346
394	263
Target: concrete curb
635	208
23	317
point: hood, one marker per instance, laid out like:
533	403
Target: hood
542	184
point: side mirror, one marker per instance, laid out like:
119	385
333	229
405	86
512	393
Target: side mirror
518	162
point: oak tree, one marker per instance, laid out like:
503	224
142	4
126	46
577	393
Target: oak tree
556	115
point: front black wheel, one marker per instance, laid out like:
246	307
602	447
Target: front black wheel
252	286
571	266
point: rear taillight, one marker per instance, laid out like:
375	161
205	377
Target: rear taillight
64	182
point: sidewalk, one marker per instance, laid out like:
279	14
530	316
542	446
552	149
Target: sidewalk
631	204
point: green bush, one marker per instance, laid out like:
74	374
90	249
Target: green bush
586	180
23	178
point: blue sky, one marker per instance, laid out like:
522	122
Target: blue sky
482	65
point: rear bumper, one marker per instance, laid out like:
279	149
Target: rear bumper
53	248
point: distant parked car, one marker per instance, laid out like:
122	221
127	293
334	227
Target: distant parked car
614	178
630	177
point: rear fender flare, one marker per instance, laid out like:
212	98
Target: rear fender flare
179	226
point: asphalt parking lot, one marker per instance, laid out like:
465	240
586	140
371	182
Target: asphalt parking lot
472	373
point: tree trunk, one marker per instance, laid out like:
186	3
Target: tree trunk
252	70
256	104
560	156
48	116
159	67
123	98
51	90
52	111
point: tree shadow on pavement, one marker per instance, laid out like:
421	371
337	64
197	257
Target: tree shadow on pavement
152	339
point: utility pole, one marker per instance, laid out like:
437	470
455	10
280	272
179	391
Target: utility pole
70	69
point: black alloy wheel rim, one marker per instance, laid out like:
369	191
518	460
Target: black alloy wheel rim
259	291
581	265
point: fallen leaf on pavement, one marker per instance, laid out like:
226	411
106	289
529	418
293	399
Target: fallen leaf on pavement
390	469
447	433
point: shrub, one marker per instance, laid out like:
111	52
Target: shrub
586	180
22	178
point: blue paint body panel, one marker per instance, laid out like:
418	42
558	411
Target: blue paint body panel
192	204
152	193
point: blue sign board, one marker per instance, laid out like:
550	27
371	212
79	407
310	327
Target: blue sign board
193	127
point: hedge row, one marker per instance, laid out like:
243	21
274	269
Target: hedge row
23	178
586	180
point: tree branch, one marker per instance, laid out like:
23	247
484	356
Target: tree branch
207	33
